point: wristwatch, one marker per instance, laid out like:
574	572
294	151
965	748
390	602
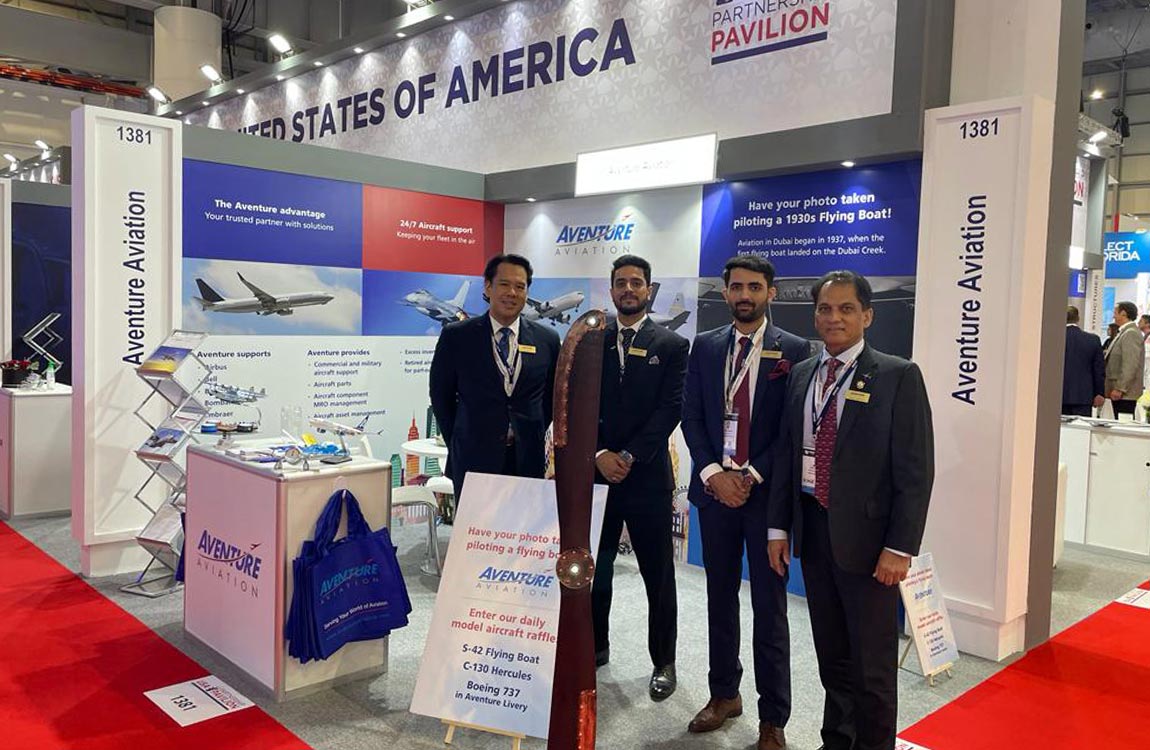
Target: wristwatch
626	456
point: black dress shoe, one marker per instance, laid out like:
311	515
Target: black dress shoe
663	683
602	657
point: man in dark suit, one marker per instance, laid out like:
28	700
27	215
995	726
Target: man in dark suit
851	486
640	404
491	381
1083	370
736	380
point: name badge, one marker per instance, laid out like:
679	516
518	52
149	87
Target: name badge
809	471
526	349
637	352
730	437
861	396
772	354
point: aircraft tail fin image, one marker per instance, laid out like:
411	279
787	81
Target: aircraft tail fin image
676	305
653	297
461	296
207	294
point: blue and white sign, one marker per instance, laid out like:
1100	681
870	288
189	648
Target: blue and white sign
864	219
239	213
1127	254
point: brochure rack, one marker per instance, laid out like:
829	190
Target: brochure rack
176	384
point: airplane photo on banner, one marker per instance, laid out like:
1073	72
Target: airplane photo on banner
261	304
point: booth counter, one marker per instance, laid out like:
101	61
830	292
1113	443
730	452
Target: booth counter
35	451
1107	486
246	522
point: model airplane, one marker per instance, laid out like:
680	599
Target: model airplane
675	316
555	311
261	304
441	311
230	394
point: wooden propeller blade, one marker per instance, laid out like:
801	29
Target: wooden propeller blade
575	435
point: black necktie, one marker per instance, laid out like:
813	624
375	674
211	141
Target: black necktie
628	337
503	346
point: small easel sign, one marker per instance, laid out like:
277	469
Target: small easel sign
929	620
516	739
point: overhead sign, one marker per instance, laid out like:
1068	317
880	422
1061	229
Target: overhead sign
682	161
1127	254
490	654
534	83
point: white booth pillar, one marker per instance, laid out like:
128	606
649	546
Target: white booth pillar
5	269
185	39
998	165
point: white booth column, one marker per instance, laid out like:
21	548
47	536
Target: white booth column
992	278
185	39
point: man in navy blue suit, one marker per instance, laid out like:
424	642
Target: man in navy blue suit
1084	370
733	401
491	381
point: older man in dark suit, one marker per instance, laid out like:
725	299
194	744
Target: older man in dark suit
850	490
491	381
736	381
1083	371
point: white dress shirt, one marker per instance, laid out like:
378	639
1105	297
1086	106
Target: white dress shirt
846	358
509	378
619	340
754	356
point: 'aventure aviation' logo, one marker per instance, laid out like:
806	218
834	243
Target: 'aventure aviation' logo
229	563
596	239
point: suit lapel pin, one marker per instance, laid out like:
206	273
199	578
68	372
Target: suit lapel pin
653	360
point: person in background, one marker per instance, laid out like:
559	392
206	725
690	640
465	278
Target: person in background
640	403
491	381
1084	369
736	381
1111	332
1144	326
851	487
1125	361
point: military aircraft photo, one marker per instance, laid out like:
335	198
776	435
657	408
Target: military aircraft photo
230	394
676	314
556	311
441	311
261	304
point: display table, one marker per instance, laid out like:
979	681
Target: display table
246	523
424	447
35	451
1107	486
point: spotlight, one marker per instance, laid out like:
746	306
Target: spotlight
281	45
1100	135
279	78
12	159
211	73
358	50
449	18
155	93
178	113
1097	94
205	103
42	146
240	91
401	35
848	164
318	63
531	200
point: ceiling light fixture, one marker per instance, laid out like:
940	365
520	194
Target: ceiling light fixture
42	146
1097	94
401	35
531	200
449	18
11	158
1099	136
358	50
281	45
318	63
240	91
279	78
155	93
205	103
848	164
211	73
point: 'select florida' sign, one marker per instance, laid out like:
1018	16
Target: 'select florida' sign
1127	254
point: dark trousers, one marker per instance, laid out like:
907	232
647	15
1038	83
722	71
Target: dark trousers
1078	410
1124	406
854	619
725	532
648	515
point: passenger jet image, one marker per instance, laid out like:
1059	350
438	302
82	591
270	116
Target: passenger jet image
441	311
261	304
555	311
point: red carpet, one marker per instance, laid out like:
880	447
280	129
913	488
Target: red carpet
1088	687
74	667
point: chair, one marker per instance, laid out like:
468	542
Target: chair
414	496
445	491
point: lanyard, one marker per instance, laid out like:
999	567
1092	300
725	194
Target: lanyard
818	414
508	370
735	379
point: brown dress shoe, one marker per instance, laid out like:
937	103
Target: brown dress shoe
715	713
771	737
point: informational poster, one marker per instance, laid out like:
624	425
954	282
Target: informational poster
490	654
198	700
928	617
40	283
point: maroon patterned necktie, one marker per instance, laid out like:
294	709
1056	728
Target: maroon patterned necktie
742	404
825	439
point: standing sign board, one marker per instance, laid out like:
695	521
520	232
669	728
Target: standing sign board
929	620
126	240
981	270
490	654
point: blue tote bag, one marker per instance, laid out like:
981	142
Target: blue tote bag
346	590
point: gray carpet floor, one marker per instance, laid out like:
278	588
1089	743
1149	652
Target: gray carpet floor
372	714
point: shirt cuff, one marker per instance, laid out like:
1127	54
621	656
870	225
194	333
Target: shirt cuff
897	552
709	471
600	452
751	470
776	535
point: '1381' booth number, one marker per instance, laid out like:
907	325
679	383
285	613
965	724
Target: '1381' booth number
134	135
